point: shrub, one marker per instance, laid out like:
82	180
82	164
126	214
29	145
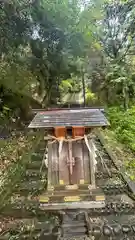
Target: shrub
123	123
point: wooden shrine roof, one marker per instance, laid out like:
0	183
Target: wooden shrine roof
88	117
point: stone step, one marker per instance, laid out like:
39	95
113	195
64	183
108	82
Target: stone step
74	224
34	165
29	186
33	173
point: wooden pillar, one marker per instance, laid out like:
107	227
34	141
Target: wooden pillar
49	164
92	163
55	164
70	158
86	161
78	168
63	166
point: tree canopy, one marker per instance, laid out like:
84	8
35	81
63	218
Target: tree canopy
44	42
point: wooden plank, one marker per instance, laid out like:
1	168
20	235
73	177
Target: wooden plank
55	118
71	120
50	126
61	109
69	192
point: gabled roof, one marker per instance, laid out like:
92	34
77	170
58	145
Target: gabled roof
69	117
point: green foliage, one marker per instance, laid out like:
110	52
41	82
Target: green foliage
113	68
72	85
90	97
119	79
16	77
117	32
123	123
66	85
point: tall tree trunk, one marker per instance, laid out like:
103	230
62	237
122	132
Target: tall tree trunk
83	84
125	97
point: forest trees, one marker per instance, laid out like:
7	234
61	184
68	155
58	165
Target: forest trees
42	41
117	36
